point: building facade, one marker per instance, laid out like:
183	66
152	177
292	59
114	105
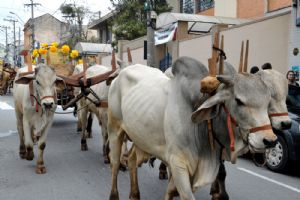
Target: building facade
233	8
47	29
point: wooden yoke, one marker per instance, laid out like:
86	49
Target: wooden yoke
244	63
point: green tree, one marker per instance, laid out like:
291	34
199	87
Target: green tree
130	19
74	15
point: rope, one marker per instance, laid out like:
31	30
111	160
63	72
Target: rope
221	52
71	111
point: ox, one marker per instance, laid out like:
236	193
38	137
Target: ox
35	121
155	113
7	76
85	106
278	86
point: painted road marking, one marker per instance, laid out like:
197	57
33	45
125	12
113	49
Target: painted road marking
10	132
270	180
5	106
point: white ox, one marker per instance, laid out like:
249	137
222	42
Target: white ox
35	121
85	106
155	113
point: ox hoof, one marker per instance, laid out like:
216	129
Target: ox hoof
22	155
79	129
89	135
122	167
84	147
106	160
40	169
29	155
134	196
163	175
114	196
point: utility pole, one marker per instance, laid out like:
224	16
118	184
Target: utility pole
14	25
150	33
19	48
32	19
6	41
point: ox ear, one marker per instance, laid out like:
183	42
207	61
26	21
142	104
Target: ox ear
59	81
112	77
25	79
210	108
122	63
227	80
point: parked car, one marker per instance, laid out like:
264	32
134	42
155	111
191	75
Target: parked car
288	147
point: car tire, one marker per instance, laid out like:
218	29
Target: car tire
277	157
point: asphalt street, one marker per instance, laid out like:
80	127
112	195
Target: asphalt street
73	174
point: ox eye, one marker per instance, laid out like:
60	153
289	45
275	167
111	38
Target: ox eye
239	102
38	82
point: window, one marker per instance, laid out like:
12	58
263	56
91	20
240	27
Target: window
205	4
187	6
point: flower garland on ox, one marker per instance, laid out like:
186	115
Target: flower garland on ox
53	48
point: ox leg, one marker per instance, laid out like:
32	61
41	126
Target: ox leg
28	140
83	118
40	168
102	119
163	173
171	191
22	149
115	143
132	166
181	178
89	125
218	189
124	154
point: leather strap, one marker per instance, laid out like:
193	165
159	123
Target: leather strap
229	127
278	114
261	128
104	104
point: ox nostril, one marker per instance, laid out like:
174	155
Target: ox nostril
286	125
269	143
48	105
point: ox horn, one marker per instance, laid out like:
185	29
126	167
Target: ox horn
221	62
113	60
129	56
212	62
241	58
246	57
84	60
48	58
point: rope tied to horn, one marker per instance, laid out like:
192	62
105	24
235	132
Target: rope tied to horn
222	54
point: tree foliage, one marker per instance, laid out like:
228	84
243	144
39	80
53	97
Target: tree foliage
74	15
130	20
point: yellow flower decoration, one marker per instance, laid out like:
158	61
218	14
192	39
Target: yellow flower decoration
53	49
65	49
42	51
55	44
79	61
74	54
35	53
44	45
33	62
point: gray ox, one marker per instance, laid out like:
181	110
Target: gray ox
278	86
155	112
35	121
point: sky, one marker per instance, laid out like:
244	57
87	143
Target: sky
23	14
